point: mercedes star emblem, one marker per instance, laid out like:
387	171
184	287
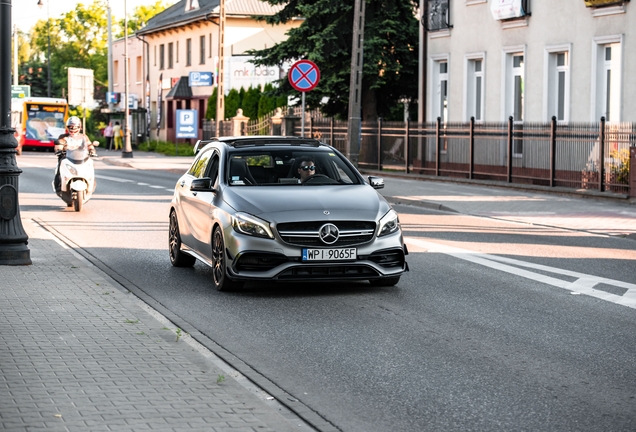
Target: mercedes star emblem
329	233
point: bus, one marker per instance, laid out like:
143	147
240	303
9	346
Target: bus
38	121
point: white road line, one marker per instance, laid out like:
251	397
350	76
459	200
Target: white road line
583	285
116	179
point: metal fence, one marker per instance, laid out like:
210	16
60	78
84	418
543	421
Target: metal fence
576	155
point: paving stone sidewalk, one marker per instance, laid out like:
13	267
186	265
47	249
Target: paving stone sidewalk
77	353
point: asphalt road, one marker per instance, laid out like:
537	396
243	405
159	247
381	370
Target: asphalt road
463	342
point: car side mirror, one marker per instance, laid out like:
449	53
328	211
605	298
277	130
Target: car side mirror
376	182
202	185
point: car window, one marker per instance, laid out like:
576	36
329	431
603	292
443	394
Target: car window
213	168
250	167
200	164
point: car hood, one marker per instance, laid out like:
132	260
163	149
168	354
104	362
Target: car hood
298	203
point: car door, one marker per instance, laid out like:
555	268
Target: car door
188	202
200	208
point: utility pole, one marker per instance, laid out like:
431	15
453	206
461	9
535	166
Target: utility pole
220	91
355	88
13	238
111	106
127	152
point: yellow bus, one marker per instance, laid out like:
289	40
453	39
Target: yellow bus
38	121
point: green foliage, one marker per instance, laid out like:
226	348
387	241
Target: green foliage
232	103
210	114
250	102
621	166
391	36
141	15
166	148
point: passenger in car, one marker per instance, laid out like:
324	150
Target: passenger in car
306	168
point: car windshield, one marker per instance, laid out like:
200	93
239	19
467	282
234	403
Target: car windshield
291	167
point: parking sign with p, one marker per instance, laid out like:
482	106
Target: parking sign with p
187	123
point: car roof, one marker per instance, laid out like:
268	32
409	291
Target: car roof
258	141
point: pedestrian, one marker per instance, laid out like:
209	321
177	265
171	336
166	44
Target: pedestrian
108	134
118	133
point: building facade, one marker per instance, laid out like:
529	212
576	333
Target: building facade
529	60
173	60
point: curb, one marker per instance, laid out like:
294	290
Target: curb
558	190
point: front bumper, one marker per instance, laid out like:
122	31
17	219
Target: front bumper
251	258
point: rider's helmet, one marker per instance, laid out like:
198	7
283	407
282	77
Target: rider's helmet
73	125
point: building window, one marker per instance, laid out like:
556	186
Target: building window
155	55
170	55
176	57
606	84
513	83
188	52
162	52
139	70
210	49
517	87
436	15
557	88
475	87
202	49
115	72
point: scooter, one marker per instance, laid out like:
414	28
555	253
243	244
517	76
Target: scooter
77	174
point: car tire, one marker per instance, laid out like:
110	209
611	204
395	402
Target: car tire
386	282
219	272
178	258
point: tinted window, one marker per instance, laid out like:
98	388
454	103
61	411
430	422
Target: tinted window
200	164
280	167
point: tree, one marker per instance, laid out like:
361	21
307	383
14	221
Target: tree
250	102
140	17
210	113
391	36
78	39
232	103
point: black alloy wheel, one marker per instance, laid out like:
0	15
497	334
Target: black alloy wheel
221	281
177	257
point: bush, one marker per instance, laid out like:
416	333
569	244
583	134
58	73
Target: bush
166	148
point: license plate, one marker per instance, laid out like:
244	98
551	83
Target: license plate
329	254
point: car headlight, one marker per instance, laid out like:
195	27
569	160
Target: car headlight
389	223
251	225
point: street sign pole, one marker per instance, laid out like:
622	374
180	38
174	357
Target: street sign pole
303	76
302	120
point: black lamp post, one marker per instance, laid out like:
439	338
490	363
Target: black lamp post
48	54
13	239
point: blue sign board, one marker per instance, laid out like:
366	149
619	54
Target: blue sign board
199	79
112	97
187	123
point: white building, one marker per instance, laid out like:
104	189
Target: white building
491	59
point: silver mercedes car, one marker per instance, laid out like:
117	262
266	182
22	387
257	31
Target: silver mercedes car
283	209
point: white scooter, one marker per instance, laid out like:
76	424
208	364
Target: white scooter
77	174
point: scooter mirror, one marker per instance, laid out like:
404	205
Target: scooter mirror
96	143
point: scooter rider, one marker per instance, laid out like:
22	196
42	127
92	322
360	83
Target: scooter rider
74	132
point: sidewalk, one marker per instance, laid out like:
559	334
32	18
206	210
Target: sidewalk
79	353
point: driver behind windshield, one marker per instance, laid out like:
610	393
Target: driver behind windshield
307	168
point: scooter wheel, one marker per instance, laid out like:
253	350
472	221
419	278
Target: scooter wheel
79	201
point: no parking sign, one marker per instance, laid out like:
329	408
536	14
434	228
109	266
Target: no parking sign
304	75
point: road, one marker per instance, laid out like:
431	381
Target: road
499	325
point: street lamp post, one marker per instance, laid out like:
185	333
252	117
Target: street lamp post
13	238
48	54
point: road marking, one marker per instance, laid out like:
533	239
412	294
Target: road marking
583	285
116	179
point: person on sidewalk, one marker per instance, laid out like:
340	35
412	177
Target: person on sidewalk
108	134
118	134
